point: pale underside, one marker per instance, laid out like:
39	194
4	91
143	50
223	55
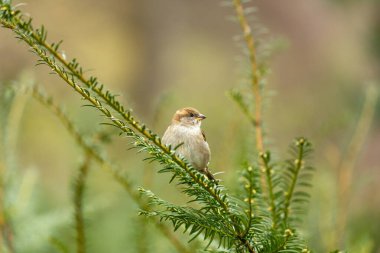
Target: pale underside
194	148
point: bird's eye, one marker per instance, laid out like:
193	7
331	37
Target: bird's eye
191	114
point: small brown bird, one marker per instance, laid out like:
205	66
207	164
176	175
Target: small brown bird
185	130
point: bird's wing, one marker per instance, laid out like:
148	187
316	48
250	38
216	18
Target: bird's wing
204	136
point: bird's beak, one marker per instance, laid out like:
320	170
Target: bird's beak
201	117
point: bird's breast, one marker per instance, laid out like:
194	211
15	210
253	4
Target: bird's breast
193	146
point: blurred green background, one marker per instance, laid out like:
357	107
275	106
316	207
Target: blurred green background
163	55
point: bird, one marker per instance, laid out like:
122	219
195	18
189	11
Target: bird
185	134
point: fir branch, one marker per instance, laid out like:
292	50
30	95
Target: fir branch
220	215
13	20
90	149
255	77
255	117
291	243
250	198
238	98
297	174
79	187
82	141
194	220
196	182
268	170
256	213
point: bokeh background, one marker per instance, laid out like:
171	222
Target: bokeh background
163	55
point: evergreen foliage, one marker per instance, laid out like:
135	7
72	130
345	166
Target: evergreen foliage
262	217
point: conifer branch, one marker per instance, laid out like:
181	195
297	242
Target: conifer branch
295	166
90	149
255	77
250	199
219	215
268	170
196	221
13	20
157	150
82	141
255	117
79	187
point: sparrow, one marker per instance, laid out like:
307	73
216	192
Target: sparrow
186	134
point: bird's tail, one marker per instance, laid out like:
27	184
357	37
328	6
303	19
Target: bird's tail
210	175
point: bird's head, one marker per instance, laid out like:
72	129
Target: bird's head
188	116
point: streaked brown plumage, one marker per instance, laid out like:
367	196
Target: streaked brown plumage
185	129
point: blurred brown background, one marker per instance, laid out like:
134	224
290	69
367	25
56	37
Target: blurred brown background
162	55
